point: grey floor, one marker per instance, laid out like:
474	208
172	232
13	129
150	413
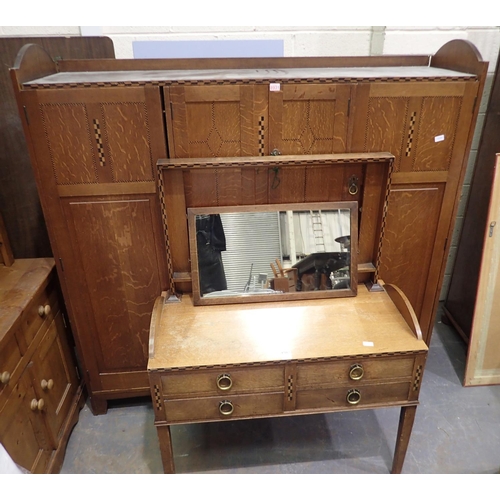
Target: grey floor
456	431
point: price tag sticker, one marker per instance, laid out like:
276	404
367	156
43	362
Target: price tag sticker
274	87
439	138
367	344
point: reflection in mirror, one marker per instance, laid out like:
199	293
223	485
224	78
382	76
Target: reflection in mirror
273	252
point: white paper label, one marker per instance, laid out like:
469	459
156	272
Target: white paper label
368	344
274	87
439	138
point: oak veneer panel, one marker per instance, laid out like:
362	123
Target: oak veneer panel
19	201
118	275
263	333
410	231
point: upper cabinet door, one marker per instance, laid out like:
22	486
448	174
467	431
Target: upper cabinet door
309	118
422	123
97	135
216	120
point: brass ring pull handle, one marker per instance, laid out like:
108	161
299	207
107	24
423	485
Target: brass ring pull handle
356	372
47	384
44	311
275	152
353	185
226	408
5	377
224	382
353	396
37	404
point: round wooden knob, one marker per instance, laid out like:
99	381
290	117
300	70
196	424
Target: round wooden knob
37	404
44	311
47	384
5	377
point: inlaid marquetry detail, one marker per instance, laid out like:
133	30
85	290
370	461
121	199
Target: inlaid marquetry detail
289	388
384	221
163	208
284	362
411	132
262	146
417	379
158	398
100	146
246	81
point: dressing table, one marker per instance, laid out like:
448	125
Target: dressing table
239	356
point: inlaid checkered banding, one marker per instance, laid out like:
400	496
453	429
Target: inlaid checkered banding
100	146
289	388
384	221
411	132
418	377
170	267
158	399
262	150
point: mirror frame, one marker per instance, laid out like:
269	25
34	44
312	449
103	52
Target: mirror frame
198	299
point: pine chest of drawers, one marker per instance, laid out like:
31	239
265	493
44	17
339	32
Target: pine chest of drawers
242	361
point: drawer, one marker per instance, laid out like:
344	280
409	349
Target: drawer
43	308
333	373
223	408
222	381
352	397
10	357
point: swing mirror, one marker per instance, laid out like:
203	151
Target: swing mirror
273	252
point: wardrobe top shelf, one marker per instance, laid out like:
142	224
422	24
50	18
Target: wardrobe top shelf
262	75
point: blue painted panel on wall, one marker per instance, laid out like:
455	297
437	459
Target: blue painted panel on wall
167	49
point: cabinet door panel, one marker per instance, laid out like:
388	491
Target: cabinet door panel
22	430
116	276
309	118
98	135
216	121
54	376
408	242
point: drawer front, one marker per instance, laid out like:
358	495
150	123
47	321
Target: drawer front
352	397
332	373
222	381
223	408
10	357
41	309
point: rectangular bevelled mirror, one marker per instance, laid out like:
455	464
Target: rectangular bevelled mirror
273	252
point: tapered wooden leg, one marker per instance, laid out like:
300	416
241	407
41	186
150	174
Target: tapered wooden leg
406	419
167	456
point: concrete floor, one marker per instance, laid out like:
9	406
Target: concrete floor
456	431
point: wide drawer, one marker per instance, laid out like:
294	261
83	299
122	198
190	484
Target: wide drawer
223	408
333	373
222	381
352	397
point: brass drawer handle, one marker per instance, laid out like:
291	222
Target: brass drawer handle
37	404
44	311
5	377
353	396
226	407
356	372
353	185
224	382
47	384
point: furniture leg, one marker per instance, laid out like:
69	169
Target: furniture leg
167	456
406	419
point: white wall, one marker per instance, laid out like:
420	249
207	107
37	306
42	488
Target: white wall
314	41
